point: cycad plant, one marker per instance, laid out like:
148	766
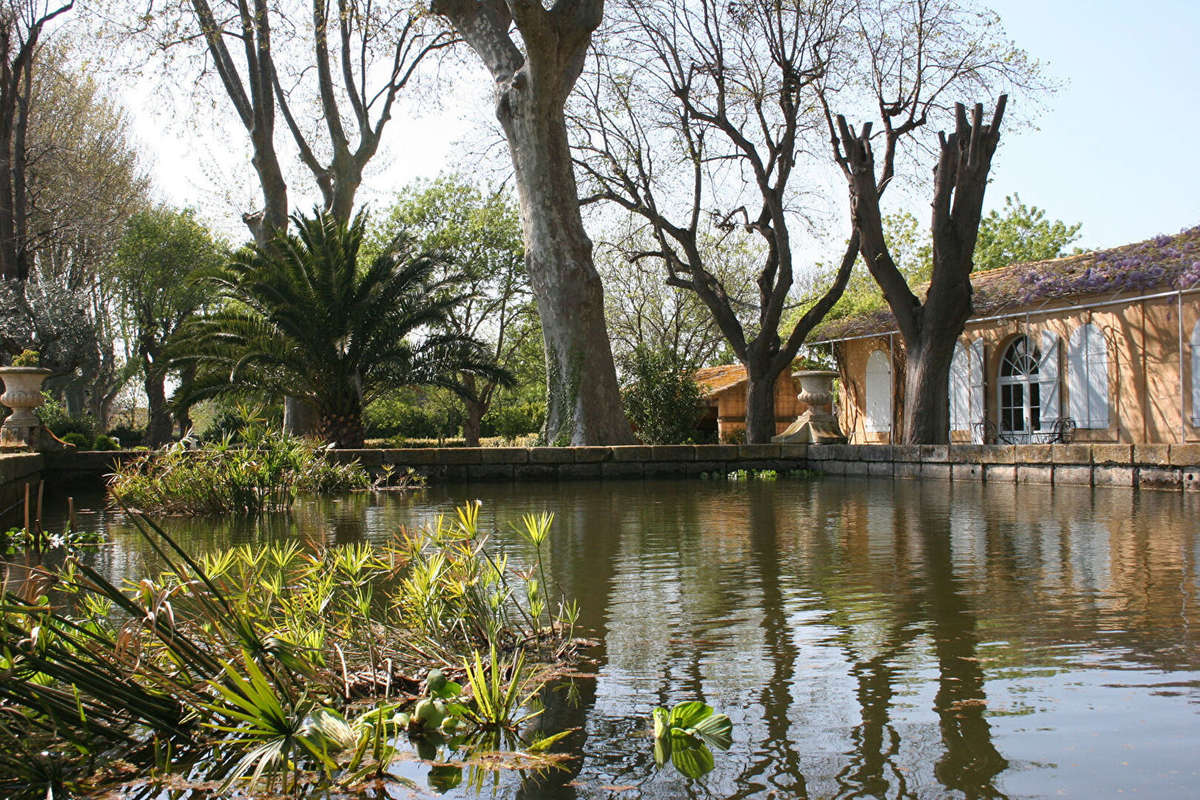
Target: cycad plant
301	316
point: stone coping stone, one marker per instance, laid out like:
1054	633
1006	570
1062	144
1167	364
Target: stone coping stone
460	455
1072	454
715	452
906	452
1158	455
677	452
591	455
798	452
1033	453
1185	455
550	455
14	466
411	456
876	452
1112	454
760	451
935	452
504	455
631	452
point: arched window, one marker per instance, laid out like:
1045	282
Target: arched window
1028	387
1196	375
879	393
966	389
1087	377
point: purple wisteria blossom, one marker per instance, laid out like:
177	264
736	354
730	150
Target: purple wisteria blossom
1161	263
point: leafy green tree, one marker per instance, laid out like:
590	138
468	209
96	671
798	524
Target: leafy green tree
158	253
1020	234
662	400
479	234
303	318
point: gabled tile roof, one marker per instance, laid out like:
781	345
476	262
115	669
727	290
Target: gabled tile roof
1163	263
714	380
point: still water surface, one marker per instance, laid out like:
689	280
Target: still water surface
868	638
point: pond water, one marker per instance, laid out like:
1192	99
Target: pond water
868	638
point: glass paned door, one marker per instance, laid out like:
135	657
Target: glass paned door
1020	394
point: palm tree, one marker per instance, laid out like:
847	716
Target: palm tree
302	317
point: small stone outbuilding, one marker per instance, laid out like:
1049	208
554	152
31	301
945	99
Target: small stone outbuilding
723	393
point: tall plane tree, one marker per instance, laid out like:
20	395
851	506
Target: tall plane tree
930	328
357	57
532	81
694	97
22	23
705	119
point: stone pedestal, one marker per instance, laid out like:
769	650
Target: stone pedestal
22	393
817	425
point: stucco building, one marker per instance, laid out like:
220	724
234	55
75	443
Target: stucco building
1100	347
723	392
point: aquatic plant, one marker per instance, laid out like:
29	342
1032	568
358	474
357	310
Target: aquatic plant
277	665
684	734
265	473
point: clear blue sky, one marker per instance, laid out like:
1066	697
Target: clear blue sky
1117	148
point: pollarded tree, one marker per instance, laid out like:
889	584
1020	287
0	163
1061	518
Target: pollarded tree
303	317
532	81
931	328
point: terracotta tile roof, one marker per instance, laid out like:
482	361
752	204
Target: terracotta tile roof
714	380
1163	263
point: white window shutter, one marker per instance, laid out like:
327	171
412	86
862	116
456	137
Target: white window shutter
977	380
879	393
1196	375
1048	380
1096	355
960	389
1077	377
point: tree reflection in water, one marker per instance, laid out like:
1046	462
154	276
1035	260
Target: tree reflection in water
869	638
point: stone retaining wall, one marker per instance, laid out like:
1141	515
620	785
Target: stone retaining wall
16	471
575	463
1159	466
1172	467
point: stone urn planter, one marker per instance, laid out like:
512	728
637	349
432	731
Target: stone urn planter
817	425
22	394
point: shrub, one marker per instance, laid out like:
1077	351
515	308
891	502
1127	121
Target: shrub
27	358
265	474
77	440
511	421
105	443
54	416
662	400
404	414
127	436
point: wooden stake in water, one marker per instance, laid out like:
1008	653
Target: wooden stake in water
38	521
71	513
27	528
